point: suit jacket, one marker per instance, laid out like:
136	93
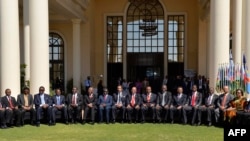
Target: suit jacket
108	100
215	97
88	100
54	100
137	100
123	98
79	99
20	100
229	98
168	98
5	102
153	99
179	101
38	102
198	99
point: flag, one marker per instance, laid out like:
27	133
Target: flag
231	67
244	61
247	81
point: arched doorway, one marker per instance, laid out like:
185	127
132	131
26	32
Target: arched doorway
56	60
145	42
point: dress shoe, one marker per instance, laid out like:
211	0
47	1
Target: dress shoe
113	121
122	122
92	122
172	121
37	124
143	121
4	127
199	123
66	122
83	122
210	123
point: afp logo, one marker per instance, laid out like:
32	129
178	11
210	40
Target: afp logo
233	132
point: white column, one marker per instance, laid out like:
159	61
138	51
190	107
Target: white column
76	53
9	47
26	35
39	45
219	36
247	33
237	24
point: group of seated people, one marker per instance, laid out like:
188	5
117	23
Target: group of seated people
128	107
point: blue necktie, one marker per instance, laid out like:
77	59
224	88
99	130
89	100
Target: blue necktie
58	100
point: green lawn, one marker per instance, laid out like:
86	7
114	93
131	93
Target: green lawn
113	132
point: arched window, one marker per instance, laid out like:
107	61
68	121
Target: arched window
56	60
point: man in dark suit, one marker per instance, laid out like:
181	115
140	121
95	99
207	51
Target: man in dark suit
148	104
223	103
74	102
43	105
177	104
105	102
11	109
25	104
163	104
90	104
58	103
208	107
193	102
2	116
133	103
119	100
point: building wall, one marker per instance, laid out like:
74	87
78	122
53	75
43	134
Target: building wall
189	8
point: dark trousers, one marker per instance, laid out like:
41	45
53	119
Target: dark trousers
64	113
208	110
32	115
92	113
162	112
107	110
12	114
46	113
174	111
2	118
74	113
116	110
145	109
134	111
192	110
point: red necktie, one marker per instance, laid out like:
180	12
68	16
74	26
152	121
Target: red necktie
193	99
133	100
73	99
11	105
148	98
105	97
224	100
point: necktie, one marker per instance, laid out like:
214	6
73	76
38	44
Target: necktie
58	100
10	102
208	100
193	99
105	96
73	99
0	105
148	98
118	99
224	100
133	100
163	99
